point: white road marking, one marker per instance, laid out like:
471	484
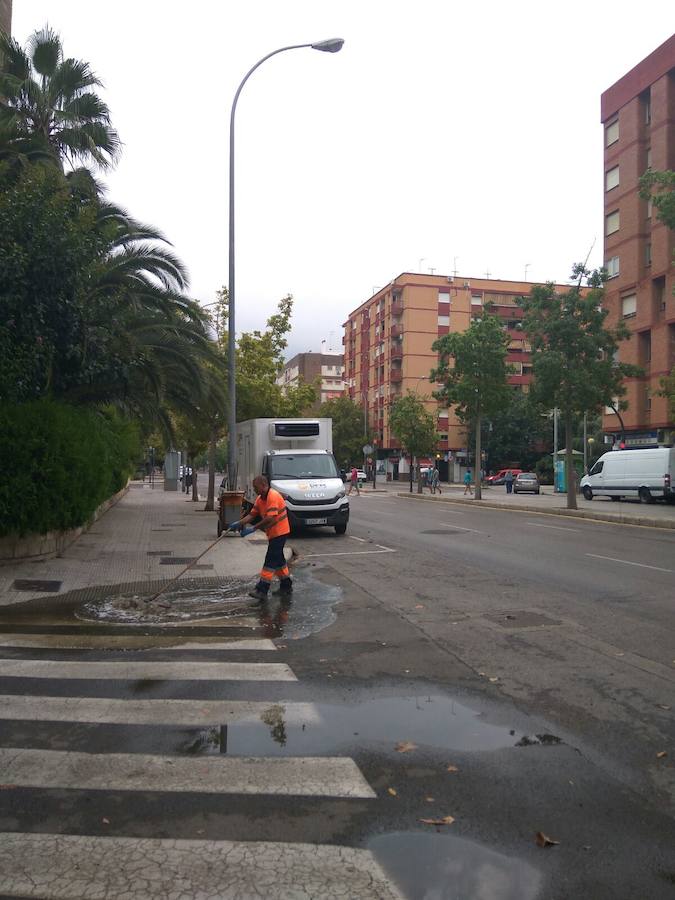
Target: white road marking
305	776
352	552
127	671
554	527
627	562
105	710
80	867
354	538
461	528
131	642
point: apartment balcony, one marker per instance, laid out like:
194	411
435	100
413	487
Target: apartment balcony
397	308
396	376
397	331
396	351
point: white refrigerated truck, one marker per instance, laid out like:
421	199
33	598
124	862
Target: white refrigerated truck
296	455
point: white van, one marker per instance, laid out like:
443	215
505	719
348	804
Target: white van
647	474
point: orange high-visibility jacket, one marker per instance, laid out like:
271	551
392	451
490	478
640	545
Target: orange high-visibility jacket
273	505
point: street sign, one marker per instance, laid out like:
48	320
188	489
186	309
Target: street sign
367	449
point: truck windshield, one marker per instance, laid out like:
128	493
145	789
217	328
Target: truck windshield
306	465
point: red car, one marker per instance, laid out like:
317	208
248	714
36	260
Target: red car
498	477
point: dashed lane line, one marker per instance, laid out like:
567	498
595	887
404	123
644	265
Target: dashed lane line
553	527
627	562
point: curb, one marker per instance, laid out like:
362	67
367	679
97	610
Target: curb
612	518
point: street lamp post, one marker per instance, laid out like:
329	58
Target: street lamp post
330	46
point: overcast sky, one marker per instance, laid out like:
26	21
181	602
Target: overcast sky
443	135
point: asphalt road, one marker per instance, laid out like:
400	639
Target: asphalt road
510	671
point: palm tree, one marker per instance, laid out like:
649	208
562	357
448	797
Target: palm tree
48	107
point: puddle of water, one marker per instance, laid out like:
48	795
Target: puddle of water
311	610
445	867
431	721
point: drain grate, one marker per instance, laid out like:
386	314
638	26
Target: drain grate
177	560
37	584
159	552
203	566
522	618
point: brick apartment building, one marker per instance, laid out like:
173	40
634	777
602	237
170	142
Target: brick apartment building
388	352
638	116
307	367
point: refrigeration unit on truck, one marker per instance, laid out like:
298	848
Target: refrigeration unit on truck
296	455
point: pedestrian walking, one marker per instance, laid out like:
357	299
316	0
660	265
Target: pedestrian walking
467	482
270	508
508	481
354	481
436	481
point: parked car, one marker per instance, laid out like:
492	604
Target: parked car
526	482
362	476
648	474
498	477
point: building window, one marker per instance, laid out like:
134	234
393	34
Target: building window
444	296
612	222
648	253
444	320
647	107
648	158
612	266
612	133
648	400
649	208
612	178
629	306
476	299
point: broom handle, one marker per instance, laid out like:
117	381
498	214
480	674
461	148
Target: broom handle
195	560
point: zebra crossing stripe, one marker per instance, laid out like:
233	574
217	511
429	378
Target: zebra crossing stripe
188	713
305	776
80	867
174	671
130	642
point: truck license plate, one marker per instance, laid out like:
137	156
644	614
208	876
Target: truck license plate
316	521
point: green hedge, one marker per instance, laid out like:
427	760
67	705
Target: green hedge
59	463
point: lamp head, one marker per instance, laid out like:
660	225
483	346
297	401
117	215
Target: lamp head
332	45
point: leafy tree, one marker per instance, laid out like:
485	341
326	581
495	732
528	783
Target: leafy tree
47	106
348	437
516	433
414	427
473	370
573	353
659	187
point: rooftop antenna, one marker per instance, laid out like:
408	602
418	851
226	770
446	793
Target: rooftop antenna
454	265
431	270
527	266
419	264
488	273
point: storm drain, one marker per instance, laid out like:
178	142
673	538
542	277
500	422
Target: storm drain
36	584
177	560
521	618
159	552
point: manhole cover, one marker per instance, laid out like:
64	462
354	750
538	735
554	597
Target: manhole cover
177	560
521	618
37	584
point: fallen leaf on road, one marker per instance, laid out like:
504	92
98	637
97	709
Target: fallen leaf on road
105	821
663	706
419	606
405	747
493	679
200	831
446	820
281	646
661	754
392	791
7	787
482	674
452	769
430	799
543	840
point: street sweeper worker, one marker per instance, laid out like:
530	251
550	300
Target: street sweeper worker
270	508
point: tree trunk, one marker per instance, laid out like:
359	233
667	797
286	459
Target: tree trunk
411	472
479	465
195	492
419	476
210	494
570	474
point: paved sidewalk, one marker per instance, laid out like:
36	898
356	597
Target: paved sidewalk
137	541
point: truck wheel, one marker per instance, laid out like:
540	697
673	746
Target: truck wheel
588	493
340	529
645	495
